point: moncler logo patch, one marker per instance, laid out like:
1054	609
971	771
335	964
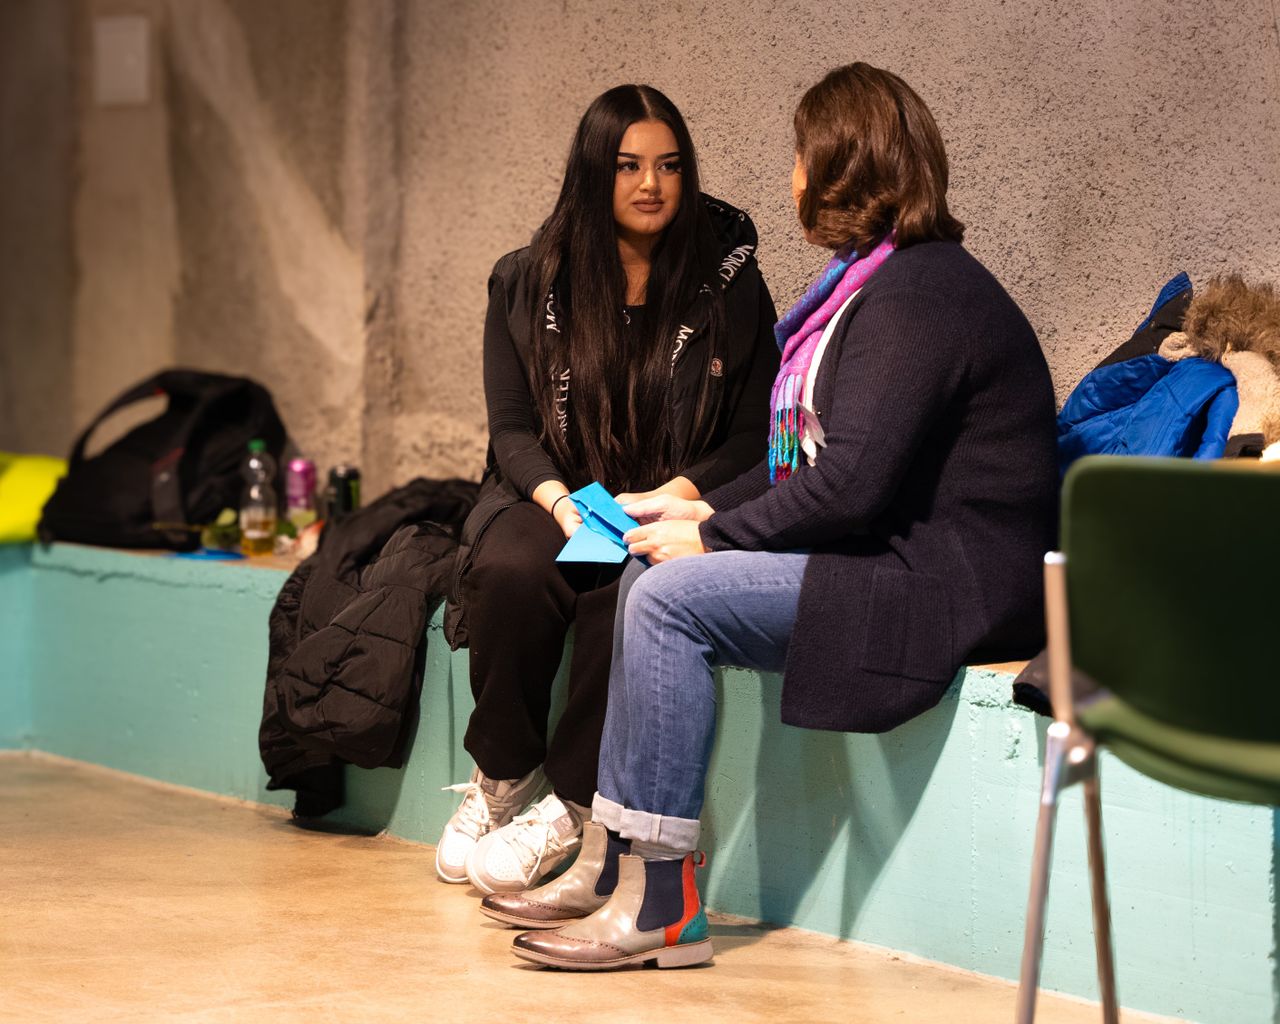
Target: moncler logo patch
717	367
735	261
682	336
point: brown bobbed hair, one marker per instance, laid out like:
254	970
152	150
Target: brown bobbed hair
874	160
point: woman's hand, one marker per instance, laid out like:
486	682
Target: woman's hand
664	507
630	499
567	517
553	496
678	487
663	541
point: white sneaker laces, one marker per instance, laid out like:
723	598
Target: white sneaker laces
472	817
534	837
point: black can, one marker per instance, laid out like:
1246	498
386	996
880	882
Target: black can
343	492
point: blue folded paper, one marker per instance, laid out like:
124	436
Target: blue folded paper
599	538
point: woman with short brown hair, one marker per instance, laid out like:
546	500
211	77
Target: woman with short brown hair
893	532
876	160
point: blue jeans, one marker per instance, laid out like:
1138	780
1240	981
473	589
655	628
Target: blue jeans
675	623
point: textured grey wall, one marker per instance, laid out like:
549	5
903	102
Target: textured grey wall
124	232
37	149
1096	149
272	279
319	189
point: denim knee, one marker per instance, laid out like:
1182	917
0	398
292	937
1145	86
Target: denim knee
655	593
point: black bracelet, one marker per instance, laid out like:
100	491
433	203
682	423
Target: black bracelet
555	503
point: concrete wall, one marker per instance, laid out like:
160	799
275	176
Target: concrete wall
37	151
272	278
1096	148
125	244
317	188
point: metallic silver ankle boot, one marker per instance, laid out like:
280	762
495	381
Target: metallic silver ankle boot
653	915
580	891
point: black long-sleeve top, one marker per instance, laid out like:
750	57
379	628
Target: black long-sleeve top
513	420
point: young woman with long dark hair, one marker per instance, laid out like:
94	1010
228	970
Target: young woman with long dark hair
892	531
630	343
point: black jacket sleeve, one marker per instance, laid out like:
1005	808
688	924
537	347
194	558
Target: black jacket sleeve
513	422
900	361
748	433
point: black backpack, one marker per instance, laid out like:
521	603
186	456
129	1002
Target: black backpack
154	487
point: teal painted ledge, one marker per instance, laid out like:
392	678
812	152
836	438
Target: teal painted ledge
919	840
16	580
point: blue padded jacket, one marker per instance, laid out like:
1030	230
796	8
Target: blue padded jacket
1148	405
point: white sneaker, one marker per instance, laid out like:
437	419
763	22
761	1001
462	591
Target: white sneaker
487	804
513	857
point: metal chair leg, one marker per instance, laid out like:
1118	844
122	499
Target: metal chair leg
1101	908
1055	758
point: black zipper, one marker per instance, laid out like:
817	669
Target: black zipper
456	596
672	445
671	424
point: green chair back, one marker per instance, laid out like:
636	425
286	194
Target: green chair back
1173	581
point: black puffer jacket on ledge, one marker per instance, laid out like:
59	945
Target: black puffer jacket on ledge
348	640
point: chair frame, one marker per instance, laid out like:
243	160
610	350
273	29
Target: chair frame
1070	758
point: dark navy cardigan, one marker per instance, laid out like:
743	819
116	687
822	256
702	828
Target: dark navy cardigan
930	508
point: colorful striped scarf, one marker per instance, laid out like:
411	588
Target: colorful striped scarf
798	334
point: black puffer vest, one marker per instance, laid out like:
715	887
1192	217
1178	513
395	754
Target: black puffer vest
741	379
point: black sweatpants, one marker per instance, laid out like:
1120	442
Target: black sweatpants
520	603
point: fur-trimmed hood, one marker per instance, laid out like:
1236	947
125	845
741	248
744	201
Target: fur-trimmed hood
1237	324
1230	315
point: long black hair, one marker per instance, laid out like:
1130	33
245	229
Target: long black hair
600	386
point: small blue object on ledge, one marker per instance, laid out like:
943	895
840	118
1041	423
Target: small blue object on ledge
210	555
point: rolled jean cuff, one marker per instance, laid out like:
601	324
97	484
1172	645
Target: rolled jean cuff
675	835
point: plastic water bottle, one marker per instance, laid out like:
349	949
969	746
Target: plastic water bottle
258	505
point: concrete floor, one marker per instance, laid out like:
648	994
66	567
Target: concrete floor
129	901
